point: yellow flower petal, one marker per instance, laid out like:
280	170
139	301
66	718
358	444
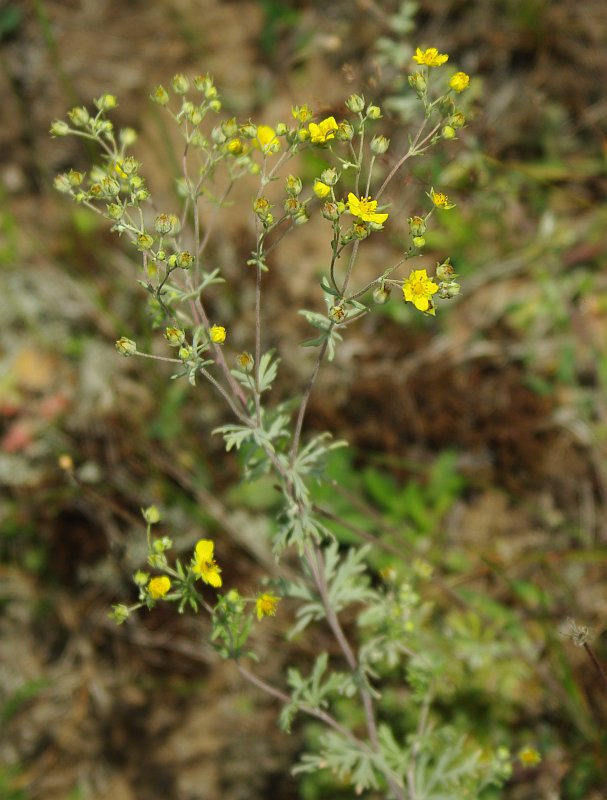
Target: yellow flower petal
159	587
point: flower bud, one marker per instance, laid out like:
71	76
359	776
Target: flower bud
103	126
106	102
321	189
140	578
449	289
195	116
360	231
230	127
75	178
151	515
457	120
144	241
262	207
217	334
186	351
197	139
419	241
301	113
234	147
120	613
446	106
374	112
329	176
162	224
417	81
159	95
381	295
301	218
126	347
79	116
218	136
293	185
201	82
245	361
215	106
59	128
337	313
292	206
281	129
62	183
248	130
417	225
330	211
345	131
127	136
379	145
110	187
448	132
115	211
184	259
174	336
355	103
180	83
444	271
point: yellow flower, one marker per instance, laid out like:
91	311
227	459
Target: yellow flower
459	81
266	140
119	171
217	334
235	147
364	208
324	131
205	565
529	757
321	189
418	289
441	200
265	605
159	587
430	57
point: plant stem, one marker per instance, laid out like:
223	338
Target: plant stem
596	663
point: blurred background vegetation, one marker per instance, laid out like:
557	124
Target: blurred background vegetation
478	439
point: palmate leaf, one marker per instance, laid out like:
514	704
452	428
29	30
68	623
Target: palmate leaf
347	760
235	435
315	691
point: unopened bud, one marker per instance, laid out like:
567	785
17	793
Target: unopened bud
151	515
355	103
174	336
417	81
185	259
379	145
245	361
180	83
293	185
329	176
126	347
381	295
59	128
321	189
159	95
345	131
417	225
79	116
337	313
144	241
106	102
